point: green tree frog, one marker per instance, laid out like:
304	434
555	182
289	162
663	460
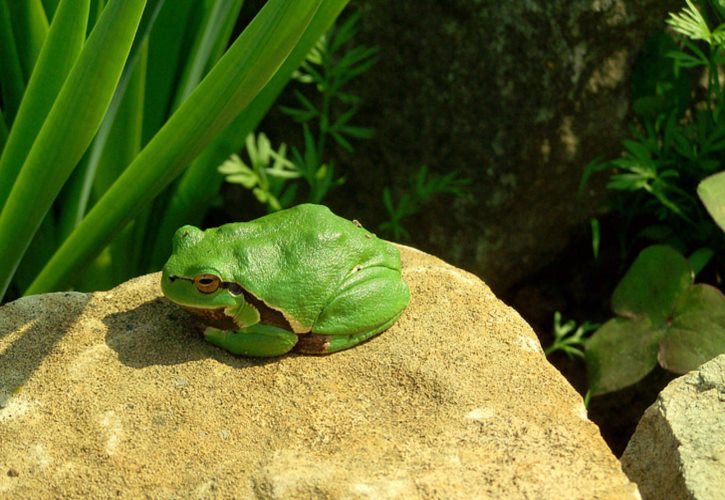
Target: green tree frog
301	277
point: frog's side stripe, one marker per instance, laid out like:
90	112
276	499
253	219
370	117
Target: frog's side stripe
219	319
268	316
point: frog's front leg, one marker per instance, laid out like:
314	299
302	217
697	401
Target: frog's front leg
254	339
258	340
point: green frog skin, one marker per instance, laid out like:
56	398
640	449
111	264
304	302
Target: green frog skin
299	278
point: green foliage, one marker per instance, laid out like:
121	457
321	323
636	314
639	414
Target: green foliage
569	337
105	153
330	66
596	231
692	24
712	194
424	187
324	110
661	317
678	138
666	178
266	173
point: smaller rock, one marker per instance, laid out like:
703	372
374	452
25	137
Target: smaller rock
678	449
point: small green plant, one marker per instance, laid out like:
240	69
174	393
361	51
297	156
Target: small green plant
266	174
661	317
693	25
569	337
330	66
424	187
325	110
678	138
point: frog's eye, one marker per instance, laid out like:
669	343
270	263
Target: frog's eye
206	283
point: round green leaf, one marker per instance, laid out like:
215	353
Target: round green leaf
697	333
712	194
621	353
652	285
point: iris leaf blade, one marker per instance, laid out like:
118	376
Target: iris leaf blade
229	87
67	131
59	54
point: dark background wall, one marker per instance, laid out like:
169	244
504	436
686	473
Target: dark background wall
518	96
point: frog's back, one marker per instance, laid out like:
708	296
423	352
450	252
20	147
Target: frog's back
295	258
306	228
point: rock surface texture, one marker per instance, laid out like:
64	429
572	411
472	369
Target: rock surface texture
678	450
517	96
116	393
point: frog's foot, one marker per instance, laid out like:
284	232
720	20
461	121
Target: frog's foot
315	343
258	340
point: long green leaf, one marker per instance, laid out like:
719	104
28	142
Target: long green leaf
201	181
124	144
30	27
124	139
64	42
3	131
51	6
11	74
67	131
225	31
214	20
78	190
166	47
40	250
228	88
209	40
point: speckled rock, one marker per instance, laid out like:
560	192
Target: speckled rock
116	393
678	450
518	96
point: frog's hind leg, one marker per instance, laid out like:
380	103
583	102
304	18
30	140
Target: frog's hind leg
368	302
258	340
316	343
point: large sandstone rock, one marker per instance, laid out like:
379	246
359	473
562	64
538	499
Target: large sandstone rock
115	393
678	450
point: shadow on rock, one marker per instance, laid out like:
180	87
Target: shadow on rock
159	333
30	328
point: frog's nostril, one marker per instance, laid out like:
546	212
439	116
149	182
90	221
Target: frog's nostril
172	278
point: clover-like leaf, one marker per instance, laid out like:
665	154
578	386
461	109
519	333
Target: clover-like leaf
712	194
621	353
697	332
652	284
